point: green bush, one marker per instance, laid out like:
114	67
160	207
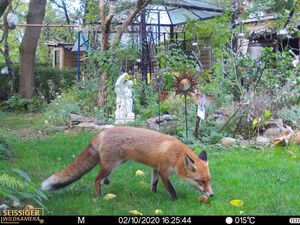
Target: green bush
150	109
48	80
291	116
6	151
18	188
80	99
18	104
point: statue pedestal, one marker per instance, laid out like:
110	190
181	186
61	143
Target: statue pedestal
122	119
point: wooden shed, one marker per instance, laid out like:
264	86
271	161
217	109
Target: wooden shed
64	57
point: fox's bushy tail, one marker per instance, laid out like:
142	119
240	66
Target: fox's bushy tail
83	163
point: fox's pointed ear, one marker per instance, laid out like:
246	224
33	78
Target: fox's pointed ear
189	163
203	156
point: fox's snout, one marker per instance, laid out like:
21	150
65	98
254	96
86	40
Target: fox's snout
208	191
209	194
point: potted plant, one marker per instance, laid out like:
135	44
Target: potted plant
167	85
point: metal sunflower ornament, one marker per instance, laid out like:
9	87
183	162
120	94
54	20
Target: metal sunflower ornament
185	85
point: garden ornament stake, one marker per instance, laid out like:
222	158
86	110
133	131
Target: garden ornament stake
185	85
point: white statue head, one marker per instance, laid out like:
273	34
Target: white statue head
129	83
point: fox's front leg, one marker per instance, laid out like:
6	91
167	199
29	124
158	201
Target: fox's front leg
168	185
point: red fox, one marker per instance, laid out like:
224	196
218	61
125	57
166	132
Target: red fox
162	152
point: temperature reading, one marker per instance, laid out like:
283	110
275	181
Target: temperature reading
244	220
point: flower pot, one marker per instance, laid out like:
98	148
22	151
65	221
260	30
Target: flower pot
164	95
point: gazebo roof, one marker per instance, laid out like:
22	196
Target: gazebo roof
170	12
175	12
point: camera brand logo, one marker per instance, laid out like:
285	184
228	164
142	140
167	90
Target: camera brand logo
15	216
294	220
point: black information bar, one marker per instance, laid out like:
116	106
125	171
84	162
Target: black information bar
161	220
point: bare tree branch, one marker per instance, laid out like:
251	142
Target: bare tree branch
139	6
56	3
111	13
64	7
105	22
101	11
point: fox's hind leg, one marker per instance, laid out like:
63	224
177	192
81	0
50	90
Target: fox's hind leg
102	177
154	180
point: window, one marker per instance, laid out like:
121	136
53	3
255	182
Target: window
57	58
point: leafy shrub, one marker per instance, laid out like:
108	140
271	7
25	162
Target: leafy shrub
175	60
6	151
151	107
16	186
50	81
290	116
18	104
58	78
80	99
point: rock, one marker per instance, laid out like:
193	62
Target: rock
153	126
245	143
228	141
221	111
92	126
62	128
263	140
275	123
215	116
273	133
167	117
220	121
154	122
88	125
220	117
104	127
166	123
75	119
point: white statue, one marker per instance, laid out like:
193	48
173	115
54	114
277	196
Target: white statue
124	100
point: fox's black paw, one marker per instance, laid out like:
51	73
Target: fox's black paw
106	181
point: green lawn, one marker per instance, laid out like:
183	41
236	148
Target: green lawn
266	180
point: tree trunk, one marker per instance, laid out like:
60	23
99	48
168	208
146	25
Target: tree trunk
36	14
105	30
102	90
3	6
105	38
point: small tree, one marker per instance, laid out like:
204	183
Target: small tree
105	30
